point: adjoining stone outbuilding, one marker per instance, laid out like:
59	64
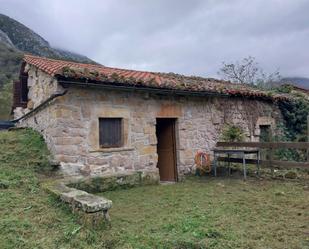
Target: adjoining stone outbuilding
98	120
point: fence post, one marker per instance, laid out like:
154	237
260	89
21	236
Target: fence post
270	140
270	160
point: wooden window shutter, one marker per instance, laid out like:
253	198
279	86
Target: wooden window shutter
110	130
20	89
24	87
17	95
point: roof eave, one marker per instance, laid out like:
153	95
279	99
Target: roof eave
67	82
120	86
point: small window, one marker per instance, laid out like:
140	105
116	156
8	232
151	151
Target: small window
24	87
110	130
265	133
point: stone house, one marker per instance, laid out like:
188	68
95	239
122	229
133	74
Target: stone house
98	120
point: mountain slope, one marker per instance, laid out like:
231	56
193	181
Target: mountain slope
10	59
297	81
26	40
15	40
5	39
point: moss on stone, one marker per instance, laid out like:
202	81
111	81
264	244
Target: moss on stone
116	181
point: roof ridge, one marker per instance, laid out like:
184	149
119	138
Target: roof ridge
154	73
88	64
59	60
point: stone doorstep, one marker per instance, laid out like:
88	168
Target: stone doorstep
167	182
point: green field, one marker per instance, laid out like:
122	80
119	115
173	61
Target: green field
197	213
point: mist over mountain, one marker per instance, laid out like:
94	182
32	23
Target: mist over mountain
24	39
297	81
16	39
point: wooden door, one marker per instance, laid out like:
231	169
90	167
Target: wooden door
165	130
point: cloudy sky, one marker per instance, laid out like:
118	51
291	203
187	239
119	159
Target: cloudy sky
185	36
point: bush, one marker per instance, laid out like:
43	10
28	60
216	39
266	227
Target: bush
10	60
283	134
5	101
295	116
232	133
294	128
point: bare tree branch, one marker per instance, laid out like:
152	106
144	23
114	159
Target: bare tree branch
247	71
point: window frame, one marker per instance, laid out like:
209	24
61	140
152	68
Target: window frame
24	88
265	133
121	130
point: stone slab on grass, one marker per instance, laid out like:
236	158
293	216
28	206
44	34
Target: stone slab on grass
79	200
91	203
76	190
86	202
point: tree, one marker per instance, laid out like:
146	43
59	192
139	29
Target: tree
5	100
247	71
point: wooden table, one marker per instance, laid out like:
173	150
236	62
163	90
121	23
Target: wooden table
242	153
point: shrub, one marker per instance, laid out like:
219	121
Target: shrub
295	117
5	101
284	134
232	133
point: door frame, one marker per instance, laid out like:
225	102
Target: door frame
174	122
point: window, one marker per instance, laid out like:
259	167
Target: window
24	87
265	133
110	132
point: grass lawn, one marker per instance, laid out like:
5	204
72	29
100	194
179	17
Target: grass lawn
212	214
197	213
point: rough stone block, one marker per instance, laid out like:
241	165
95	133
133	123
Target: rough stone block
150	129
150	177
148	150
86	110
117	180
91	203
153	140
65	158
68	140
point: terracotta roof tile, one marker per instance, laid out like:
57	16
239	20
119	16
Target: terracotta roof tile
173	81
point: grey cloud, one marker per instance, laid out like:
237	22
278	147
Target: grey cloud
191	37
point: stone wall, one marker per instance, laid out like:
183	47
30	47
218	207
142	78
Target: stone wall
41	86
203	119
70	127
